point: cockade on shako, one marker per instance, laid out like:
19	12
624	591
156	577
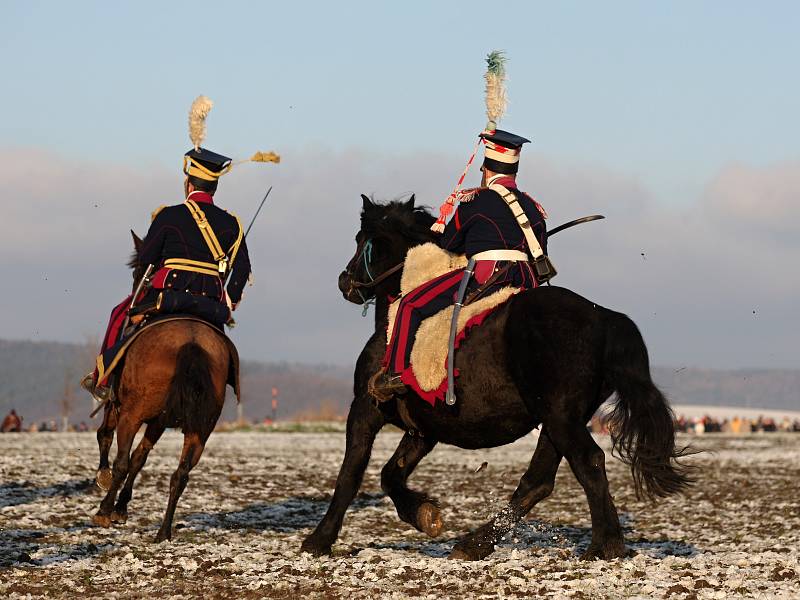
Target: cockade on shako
165	360
528	356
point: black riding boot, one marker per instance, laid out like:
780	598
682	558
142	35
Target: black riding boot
383	386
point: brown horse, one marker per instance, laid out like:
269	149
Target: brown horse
174	375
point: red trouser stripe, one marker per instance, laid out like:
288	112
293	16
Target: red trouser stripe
115	323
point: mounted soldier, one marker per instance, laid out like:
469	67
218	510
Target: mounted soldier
191	251
499	228
528	358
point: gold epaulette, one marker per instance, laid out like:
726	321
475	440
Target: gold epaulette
468	195
154	214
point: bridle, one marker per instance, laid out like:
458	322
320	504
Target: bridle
365	255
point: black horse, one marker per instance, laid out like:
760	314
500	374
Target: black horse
548	356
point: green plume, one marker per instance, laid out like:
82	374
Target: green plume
495	88
496	63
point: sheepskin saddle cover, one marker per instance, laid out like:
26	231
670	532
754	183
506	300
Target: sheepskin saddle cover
429	353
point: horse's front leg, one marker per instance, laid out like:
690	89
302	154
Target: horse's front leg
414	507
126	431
363	423
151	435
105	435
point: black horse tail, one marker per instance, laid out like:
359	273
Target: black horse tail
191	402
641	423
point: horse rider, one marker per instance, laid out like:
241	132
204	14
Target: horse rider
485	228
12	423
193	246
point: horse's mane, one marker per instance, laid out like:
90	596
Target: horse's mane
397	217
133	261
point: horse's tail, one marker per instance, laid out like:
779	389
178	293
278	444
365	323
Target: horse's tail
641	423
191	400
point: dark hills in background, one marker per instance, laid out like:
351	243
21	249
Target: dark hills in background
40	380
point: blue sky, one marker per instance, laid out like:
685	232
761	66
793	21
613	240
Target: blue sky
676	119
665	91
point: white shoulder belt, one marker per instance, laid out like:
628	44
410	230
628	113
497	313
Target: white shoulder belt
511	200
510	255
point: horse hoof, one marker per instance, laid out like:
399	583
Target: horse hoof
429	519
101	520
119	517
457	554
608	551
315	549
103	479
162	536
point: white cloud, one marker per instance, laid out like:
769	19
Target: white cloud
690	277
763	201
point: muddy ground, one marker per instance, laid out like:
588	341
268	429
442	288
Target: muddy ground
255	496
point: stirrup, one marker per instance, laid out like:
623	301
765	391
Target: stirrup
100	393
103	393
383	387
87	382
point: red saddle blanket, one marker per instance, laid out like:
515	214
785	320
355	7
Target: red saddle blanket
427	375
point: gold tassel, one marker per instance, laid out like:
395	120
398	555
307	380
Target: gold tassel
265	157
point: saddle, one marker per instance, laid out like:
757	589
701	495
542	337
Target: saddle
170	302
429	352
111	359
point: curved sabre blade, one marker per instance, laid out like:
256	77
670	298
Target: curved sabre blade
573	223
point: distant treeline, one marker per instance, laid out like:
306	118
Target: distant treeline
40	380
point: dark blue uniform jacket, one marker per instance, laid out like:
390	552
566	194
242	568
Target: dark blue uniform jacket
487	223
174	234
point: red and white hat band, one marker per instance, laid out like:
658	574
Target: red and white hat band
495	151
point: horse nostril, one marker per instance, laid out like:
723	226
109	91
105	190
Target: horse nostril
344	281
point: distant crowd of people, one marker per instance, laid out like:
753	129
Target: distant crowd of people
12	423
697	425
709	424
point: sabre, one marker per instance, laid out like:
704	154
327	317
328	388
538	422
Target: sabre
258	210
142	282
139	287
573	223
450	398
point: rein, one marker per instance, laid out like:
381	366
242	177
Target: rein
366	256
379	279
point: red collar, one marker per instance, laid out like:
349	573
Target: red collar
507	182
201	197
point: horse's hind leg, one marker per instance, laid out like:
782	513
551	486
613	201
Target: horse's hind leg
536	485
587	461
126	431
138	458
415	508
105	435
193	445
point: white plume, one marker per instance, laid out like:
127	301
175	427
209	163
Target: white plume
197	120
495	87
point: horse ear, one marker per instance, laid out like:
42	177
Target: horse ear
137	242
410	202
367	202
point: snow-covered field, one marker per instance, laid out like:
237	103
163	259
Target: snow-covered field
254	497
